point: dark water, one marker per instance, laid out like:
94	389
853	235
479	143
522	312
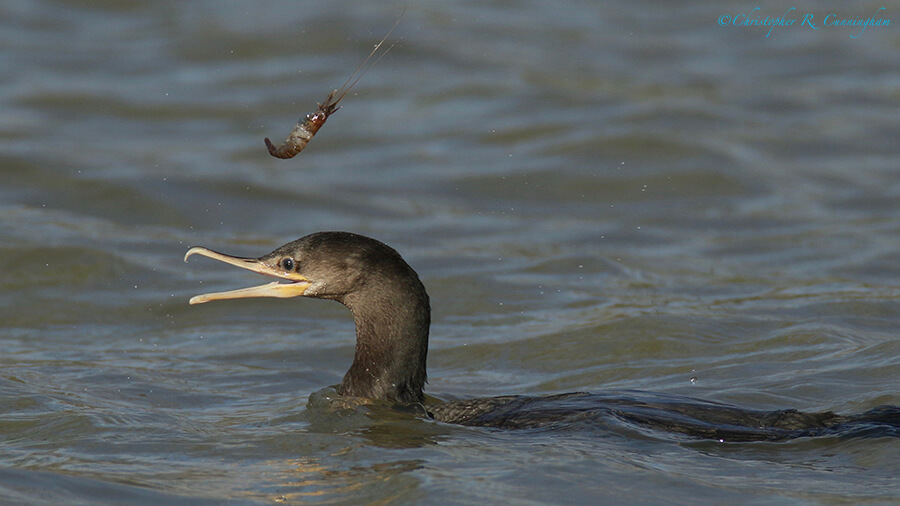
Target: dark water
598	196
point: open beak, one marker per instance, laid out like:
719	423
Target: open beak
295	286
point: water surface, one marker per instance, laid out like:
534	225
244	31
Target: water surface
597	196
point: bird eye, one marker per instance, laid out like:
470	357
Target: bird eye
287	264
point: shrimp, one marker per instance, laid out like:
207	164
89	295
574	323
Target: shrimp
306	128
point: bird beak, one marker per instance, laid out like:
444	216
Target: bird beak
295	287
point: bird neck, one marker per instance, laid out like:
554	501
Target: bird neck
391	345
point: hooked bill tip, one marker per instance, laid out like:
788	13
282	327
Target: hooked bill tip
189	253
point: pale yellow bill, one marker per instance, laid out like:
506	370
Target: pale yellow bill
273	289
295	287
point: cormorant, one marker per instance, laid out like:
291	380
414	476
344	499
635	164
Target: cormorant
392	314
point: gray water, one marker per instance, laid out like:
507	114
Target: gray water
597	195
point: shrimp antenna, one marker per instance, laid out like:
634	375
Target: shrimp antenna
348	84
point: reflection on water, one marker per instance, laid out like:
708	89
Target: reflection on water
597	197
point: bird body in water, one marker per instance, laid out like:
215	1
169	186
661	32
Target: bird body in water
392	313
